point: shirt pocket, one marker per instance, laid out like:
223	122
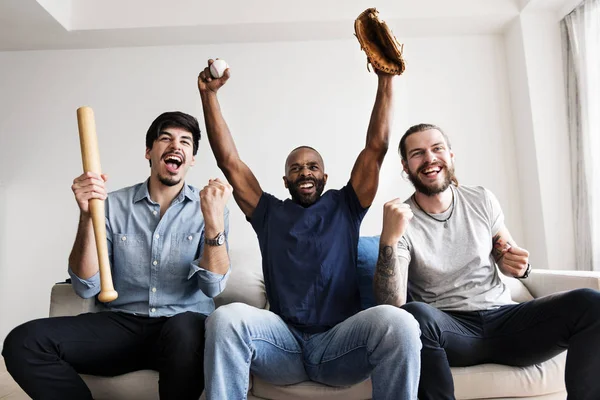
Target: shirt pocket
131	251
185	248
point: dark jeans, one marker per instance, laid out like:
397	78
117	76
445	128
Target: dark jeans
45	356
517	335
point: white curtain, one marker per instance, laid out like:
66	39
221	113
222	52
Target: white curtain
581	45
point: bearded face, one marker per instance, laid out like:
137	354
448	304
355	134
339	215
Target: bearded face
429	162
306	190
432	178
305	177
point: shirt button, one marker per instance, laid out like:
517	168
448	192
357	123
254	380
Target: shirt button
154	212
153	310
190	237
155	262
153	290
157	236
124	238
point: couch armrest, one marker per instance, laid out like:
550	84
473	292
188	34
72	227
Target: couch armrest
542	282
64	301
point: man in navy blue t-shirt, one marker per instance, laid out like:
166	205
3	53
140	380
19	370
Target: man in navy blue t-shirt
314	329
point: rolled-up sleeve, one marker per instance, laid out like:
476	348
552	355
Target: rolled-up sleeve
212	284
90	287
85	288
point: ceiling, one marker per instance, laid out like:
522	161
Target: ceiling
72	24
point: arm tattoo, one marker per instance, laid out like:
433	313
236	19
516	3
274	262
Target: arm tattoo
385	262
499	247
389	283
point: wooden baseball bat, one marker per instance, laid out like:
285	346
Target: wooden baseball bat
90	156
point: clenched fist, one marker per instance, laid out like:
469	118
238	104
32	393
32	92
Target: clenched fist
514	262
213	198
396	217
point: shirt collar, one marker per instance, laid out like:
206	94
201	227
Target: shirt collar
187	191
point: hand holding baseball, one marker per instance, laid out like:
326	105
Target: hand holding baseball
213	76
396	217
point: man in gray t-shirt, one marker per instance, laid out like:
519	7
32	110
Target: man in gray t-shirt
445	245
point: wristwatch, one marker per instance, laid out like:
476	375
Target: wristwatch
527	272
217	241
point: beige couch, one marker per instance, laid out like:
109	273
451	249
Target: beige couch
543	382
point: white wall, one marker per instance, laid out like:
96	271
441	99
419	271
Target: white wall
528	178
543	51
533	48
280	95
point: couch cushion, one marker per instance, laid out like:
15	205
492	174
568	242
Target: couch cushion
488	381
245	283
518	291
136	385
311	390
139	385
368	252
65	302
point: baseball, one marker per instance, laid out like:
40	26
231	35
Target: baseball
217	68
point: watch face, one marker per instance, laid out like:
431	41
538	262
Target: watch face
221	239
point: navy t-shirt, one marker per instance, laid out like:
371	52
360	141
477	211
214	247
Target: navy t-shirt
309	257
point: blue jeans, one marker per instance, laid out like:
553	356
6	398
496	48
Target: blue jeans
382	342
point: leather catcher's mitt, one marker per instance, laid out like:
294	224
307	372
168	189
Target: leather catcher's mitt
377	40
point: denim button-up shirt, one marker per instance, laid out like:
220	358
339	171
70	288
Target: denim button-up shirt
154	260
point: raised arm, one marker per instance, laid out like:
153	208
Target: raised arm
391	274
246	189
365	174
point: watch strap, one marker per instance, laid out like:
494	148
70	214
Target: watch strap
217	241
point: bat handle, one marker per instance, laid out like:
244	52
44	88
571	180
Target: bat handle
107	291
90	156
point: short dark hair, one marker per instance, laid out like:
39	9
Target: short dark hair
416	129
173	119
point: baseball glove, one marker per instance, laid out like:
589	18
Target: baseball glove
377	40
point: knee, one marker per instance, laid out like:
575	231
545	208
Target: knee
396	325
587	299
426	316
19	342
227	318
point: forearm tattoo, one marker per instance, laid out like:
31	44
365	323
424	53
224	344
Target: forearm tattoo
499	247
389	283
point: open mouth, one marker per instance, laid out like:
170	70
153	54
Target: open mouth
173	163
306	186
432	172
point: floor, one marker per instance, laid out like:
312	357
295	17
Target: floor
9	390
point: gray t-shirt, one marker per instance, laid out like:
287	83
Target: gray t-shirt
451	267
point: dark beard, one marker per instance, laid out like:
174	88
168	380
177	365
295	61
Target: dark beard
306	200
168	181
432	190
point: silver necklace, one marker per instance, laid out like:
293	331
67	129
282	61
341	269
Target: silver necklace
445	221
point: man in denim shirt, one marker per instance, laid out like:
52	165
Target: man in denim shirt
168	253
